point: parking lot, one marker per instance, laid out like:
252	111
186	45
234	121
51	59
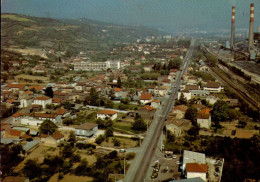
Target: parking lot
169	168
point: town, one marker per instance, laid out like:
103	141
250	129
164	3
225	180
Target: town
170	108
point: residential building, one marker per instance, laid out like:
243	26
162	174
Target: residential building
199	93
155	103
213	87
194	170
86	129
180	111
192	157
177	126
146	112
204	120
53	117
88	65
53	139
43	101
107	114
186	94
145	98
30	121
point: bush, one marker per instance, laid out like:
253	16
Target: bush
100	139
112	154
116	142
130	156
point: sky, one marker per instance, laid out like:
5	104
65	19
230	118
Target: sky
167	15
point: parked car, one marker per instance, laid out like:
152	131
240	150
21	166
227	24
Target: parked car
122	150
174	156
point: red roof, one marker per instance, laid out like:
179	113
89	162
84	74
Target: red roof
60	111
197	168
42	98
108	112
28	92
182	108
146	96
15	132
36	87
212	85
157	101
118	89
56	100
57	135
20	86
43	115
149	108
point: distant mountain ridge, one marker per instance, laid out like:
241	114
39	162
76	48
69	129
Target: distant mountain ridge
62	34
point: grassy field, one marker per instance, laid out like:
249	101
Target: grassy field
125	142
38	154
16	18
84	155
70	178
31	77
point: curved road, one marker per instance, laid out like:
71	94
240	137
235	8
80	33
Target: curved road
140	165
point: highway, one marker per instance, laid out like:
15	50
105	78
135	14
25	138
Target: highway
140	165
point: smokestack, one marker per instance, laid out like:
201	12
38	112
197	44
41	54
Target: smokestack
251	28
232	39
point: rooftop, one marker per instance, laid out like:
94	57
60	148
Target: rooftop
86	126
108	112
193	157
195	167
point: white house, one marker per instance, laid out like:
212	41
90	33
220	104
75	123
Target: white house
192	157
204	68
187	95
53	139
194	170
30	121
107	114
213	87
25	102
43	101
204	118
155	103
86	129
53	117
145	98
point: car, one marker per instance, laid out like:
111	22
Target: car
174	156
178	162
167	155
175	86
122	150
154	175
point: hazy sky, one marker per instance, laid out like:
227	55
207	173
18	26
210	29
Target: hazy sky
169	15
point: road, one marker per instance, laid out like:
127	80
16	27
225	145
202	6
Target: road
140	165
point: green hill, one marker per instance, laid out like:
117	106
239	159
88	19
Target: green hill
62	34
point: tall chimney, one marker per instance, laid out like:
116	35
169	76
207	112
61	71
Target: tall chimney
232	39
251	28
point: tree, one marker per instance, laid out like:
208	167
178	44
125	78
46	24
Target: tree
234	114
119	83
6	67
94	97
112	155
220	111
47	127
32	169
109	132
49	92
191	114
72	138
139	124
81	169
67	151
182	99
116	142
100	139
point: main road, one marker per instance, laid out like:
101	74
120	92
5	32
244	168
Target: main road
140	165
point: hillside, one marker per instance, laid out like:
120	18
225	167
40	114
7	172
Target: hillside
62	34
